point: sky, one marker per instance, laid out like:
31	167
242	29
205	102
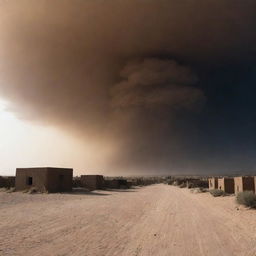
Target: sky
128	87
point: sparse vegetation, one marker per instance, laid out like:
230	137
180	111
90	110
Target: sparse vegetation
31	190
182	185
217	192
198	190
190	185
247	198
175	183
10	190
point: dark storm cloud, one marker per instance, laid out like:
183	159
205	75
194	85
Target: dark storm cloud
154	82
130	73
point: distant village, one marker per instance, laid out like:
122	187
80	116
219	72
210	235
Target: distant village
54	180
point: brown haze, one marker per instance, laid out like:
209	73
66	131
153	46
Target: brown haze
119	73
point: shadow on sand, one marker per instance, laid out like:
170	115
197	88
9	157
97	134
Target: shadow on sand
83	191
120	190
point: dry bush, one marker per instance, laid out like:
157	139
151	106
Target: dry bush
190	185
175	183
31	190
182	185
217	192
10	190
198	190
247	198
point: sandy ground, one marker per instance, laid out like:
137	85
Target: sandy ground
156	220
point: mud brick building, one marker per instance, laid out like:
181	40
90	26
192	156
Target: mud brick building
92	182
244	184
213	183
227	185
45	179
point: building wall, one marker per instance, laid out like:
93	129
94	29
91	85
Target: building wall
59	179
227	185
221	184
238	184
211	183
255	184
216	183
39	178
92	182
244	184
44	179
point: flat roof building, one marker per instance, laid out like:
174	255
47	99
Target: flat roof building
244	184
92	182
213	183
44	179
227	185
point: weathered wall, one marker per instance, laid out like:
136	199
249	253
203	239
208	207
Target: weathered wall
92	182
39	176
227	185
244	184
213	183
45	179
59	179
221	184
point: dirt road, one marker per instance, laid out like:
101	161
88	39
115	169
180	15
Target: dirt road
158	220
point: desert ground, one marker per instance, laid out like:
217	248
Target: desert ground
155	220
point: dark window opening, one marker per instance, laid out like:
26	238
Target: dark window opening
29	181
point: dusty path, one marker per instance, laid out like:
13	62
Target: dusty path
157	220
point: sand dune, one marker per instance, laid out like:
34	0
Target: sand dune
157	220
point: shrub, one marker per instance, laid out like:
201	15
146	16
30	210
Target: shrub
182	185
198	190
217	192
10	190
32	190
190	185
247	198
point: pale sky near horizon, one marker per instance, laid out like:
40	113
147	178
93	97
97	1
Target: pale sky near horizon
25	144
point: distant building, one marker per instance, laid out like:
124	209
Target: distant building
227	185
213	183
92	182
244	184
44	179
